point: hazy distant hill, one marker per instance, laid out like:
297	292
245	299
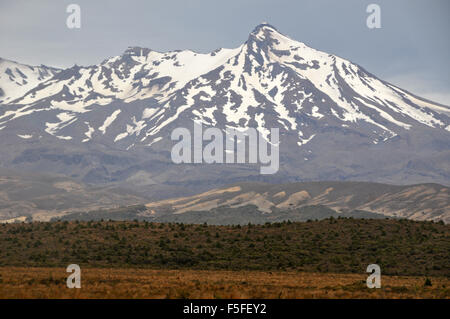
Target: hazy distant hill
419	202
41	196
261	202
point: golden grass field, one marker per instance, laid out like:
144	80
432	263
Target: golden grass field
146	283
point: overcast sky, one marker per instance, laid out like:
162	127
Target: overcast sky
410	50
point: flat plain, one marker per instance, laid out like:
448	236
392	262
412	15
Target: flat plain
35	282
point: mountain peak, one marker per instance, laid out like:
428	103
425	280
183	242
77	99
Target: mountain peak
264	25
137	51
261	30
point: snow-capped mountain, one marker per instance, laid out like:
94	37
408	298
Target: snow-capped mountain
336	120
16	79
269	72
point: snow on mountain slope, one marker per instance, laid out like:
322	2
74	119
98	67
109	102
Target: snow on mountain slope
16	79
275	81
137	74
269	81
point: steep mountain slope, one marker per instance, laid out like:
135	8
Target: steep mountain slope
16	79
112	122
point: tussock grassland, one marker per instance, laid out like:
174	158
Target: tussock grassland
147	283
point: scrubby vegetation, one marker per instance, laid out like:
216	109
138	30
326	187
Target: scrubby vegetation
223	215
400	247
